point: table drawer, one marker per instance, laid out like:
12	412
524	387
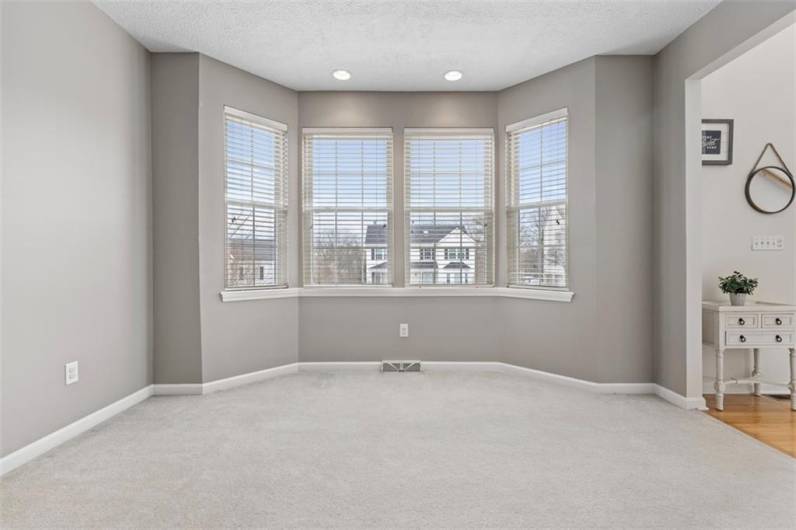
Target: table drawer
751	339
744	320
784	320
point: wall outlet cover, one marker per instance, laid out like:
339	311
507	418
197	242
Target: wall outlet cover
71	372
403	330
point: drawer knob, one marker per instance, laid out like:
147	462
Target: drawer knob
742	338
778	321
779	338
741	322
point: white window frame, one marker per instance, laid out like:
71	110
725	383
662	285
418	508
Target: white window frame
308	209
281	246
519	127
407	211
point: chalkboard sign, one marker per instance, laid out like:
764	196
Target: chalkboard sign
716	142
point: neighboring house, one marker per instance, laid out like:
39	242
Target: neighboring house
439	254
376	254
250	262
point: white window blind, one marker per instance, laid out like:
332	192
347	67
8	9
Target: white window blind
448	179
537	202
256	201
347	178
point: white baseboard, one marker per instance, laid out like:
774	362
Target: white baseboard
251	377
600	388
493	366
194	389
53	440
679	400
338	365
463	366
187	389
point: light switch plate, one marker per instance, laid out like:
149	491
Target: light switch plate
768	243
71	372
403	330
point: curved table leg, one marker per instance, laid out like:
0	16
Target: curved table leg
719	383
792	383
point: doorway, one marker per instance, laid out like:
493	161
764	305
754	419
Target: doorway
755	87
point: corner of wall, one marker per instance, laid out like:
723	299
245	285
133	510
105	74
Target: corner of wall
250	336
727	28
175	144
624	220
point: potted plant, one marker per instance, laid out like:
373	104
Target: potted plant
737	286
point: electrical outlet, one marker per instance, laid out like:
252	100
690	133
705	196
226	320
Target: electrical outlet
71	372
403	330
768	243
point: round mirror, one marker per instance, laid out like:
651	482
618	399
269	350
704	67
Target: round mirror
770	189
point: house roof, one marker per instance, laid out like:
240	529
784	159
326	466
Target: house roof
247	249
376	234
421	234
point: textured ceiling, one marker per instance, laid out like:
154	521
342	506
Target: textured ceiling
407	44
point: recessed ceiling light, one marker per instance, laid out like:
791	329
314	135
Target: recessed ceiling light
453	75
341	75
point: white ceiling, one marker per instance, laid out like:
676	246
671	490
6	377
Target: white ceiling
405	44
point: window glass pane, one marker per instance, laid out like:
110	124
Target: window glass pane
347	208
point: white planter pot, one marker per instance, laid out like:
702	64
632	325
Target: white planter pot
738	299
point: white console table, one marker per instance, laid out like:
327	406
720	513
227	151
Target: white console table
754	326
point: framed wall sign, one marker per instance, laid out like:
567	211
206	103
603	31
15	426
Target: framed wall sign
716	142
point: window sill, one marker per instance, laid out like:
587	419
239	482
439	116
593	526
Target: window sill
550	295
258	294
401	292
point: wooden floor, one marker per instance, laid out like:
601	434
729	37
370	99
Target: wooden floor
769	419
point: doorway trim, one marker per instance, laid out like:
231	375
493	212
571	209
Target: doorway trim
693	197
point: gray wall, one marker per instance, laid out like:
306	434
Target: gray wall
624	216
175	171
77	245
611	94
198	338
677	292
77	88
245	336
604	335
555	337
366	329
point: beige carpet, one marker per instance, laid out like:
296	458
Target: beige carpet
438	449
